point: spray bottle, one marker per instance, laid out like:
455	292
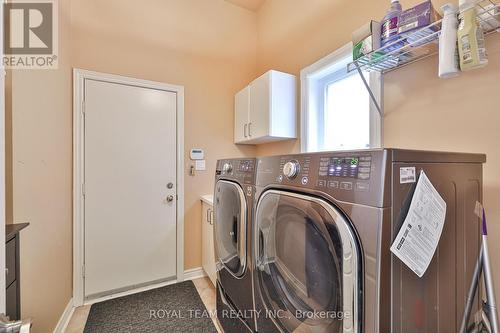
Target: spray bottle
448	51
471	46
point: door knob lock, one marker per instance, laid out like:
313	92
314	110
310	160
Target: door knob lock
170	198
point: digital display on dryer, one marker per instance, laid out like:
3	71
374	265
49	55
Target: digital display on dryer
343	167
346	167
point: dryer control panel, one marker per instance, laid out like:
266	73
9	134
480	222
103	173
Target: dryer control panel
346	167
356	176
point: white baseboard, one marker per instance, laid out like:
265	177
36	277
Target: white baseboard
194	273
63	322
190	274
91	301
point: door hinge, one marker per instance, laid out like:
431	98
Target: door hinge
83	271
83	189
83	107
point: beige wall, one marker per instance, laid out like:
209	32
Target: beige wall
213	49
421	110
41	195
209	47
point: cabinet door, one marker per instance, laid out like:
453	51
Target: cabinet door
241	109
211	269
207	236
259	107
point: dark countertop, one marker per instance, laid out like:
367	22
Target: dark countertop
12	229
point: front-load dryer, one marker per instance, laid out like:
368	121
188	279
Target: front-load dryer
323	227
233	208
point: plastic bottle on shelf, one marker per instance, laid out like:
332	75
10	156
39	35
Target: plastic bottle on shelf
471	46
449	65
390	23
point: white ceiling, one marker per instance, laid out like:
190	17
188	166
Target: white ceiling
252	5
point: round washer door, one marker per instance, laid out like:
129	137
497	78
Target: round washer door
230	226
308	264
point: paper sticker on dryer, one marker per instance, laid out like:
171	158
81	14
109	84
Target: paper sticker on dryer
407	175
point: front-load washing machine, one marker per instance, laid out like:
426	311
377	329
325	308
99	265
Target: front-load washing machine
323	227
233	208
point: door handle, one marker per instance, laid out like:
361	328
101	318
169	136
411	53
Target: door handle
170	198
209	216
234	232
245	130
249	129
260	252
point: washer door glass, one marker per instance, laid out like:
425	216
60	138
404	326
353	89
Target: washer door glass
230	226
307	264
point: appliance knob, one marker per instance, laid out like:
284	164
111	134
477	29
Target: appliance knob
291	169
227	168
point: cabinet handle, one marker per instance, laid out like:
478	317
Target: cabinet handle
245	130
249	129
208	215
211	217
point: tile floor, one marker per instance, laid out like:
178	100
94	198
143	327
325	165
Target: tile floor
203	285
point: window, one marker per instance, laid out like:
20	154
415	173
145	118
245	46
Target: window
337	112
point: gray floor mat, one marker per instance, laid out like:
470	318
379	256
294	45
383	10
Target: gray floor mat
174	308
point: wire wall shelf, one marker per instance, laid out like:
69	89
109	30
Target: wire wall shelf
421	43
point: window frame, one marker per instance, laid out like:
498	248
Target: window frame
319	73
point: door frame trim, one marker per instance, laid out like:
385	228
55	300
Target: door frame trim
3	158
79	77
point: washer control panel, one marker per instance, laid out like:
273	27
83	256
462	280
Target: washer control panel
246	166
242	170
237	167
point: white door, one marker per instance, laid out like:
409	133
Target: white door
130	160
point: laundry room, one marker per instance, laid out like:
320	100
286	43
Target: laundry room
289	166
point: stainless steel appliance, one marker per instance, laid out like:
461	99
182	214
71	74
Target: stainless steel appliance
233	207
324	224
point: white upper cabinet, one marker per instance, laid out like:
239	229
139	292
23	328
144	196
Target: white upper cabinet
241	105
265	110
